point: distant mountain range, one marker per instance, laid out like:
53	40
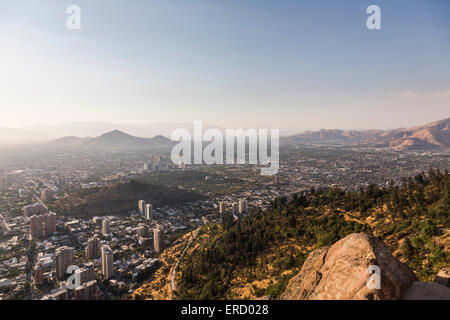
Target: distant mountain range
46	133
113	140
435	135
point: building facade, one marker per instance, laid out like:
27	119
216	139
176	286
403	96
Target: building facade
63	259
3	184
148	211
87	291
38	275
222	207
235	208
158	239
243	206
42	225
107	262
85	274
93	248
106	227
141	206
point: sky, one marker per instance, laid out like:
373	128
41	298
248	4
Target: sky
288	64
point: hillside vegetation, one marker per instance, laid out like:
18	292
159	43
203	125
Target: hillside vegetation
120	199
206	182
258	254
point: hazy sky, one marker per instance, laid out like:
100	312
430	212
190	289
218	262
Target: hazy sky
233	63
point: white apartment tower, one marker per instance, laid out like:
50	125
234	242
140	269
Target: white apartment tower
147	166
86	274
243	206
148	211
107	262
158	239
141	205
106	227
222	207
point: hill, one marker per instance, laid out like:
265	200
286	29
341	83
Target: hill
258	254
431	136
335	135
113	140
71	141
435	135
46	133
119	199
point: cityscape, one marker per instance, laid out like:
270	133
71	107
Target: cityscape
116	253
224	158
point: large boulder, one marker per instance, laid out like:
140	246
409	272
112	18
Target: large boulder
427	291
443	277
341	272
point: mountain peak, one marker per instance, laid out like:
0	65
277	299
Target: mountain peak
115	139
434	135
115	133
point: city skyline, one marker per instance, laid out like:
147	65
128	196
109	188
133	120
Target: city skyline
240	151
289	65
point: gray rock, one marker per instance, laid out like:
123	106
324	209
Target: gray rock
443	277
340	272
427	291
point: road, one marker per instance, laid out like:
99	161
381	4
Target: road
5	224
173	272
41	202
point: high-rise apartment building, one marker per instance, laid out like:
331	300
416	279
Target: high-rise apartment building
36	226
63	259
107	262
86	274
158	239
93	248
87	291
106	227
34	209
147	166
235	208
222	207
148	211
3	183
141	206
42	225
38	275
47	195
142	232
243	206
50	223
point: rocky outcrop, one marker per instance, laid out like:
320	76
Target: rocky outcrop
443	277
342	271
427	291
